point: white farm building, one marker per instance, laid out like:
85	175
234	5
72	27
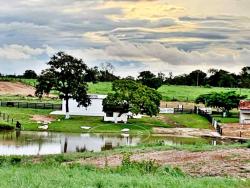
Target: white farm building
95	109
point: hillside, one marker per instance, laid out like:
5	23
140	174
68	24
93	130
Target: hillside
169	92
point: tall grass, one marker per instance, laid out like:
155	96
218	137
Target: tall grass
16	173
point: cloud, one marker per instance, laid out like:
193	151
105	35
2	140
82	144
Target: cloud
18	52
160	35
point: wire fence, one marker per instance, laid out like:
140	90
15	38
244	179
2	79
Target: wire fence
31	105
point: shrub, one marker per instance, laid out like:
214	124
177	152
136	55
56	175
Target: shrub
175	172
15	160
144	167
6	127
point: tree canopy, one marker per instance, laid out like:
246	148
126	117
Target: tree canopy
151	80
131	96
29	74
224	101
67	76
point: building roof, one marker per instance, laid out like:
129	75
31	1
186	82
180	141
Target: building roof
244	105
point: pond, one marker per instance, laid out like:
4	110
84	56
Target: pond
42	143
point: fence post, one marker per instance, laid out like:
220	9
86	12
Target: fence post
18	104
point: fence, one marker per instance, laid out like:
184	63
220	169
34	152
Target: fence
6	117
183	110
210	118
31	105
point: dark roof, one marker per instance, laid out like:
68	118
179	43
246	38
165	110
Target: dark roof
244	105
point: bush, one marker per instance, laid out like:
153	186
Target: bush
175	172
207	86
144	167
15	160
248	144
6	127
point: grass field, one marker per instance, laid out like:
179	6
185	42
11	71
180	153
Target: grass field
190	120
74	124
75	176
169	92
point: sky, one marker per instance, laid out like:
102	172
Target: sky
133	35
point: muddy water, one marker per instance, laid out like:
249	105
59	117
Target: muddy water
42	143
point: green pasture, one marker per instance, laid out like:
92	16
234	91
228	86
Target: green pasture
74	124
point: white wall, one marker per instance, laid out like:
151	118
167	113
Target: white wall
116	118
95	109
245	117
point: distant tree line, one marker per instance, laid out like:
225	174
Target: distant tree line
213	77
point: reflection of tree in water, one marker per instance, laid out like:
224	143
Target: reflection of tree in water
81	149
18	134
65	145
107	146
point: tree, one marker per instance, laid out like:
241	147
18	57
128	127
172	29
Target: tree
197	78
92	75
223	101
131	96
29	74
244	77
106	73
66	75
149	79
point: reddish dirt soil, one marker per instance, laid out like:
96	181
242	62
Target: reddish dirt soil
15	88
174	104
185	132
42	118
231	162
236	130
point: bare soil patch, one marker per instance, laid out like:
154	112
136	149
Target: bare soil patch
42	118
236	130
231	162
15	88
174	104
185	132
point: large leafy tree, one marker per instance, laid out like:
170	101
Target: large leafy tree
151	80
29	74
223	101
67	76
131	96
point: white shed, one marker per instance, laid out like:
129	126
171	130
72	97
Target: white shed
244	112
95	109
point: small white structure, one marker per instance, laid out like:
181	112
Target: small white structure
208	110
244	112
94	109
116	117
166	110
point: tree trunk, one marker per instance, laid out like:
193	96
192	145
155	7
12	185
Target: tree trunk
67	116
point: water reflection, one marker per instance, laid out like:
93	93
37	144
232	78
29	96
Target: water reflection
41	143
